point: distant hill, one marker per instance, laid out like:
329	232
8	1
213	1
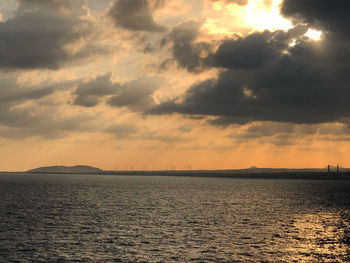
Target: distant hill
66	169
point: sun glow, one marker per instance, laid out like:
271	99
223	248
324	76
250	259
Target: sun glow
257	15
262	14
314	34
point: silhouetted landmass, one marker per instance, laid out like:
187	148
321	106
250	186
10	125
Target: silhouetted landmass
252	172
78	169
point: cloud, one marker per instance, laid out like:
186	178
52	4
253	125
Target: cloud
136	15
40	32
135	95
21	114
47	125
122	130
186	51
256	130
24	118
252	51
333	16
264	77
28	121
280	134
134	132
88	94
238	2
12	93
26	4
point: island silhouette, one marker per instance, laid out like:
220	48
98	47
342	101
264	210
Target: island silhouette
77	169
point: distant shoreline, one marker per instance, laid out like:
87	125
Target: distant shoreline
311	175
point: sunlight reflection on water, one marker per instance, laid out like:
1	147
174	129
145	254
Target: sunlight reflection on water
321	237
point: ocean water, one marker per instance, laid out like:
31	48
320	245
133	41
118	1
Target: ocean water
87	218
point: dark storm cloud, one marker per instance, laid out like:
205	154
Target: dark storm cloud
37	33
253	51
187	52
135	95
324	14
135	15
265	78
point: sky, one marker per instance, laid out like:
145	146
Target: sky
187	84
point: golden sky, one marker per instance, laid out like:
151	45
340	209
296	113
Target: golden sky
160	84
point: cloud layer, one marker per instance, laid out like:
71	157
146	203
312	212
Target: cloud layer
273	76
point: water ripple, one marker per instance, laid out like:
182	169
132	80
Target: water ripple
71	218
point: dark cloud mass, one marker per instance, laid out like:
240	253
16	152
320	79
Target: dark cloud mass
38	32
135	15
186	50
277	76
324	14
253	51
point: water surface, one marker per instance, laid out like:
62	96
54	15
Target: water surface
89	218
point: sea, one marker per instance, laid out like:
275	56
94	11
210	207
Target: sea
100	218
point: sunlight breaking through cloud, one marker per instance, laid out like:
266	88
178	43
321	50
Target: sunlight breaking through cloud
263	15
314	34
